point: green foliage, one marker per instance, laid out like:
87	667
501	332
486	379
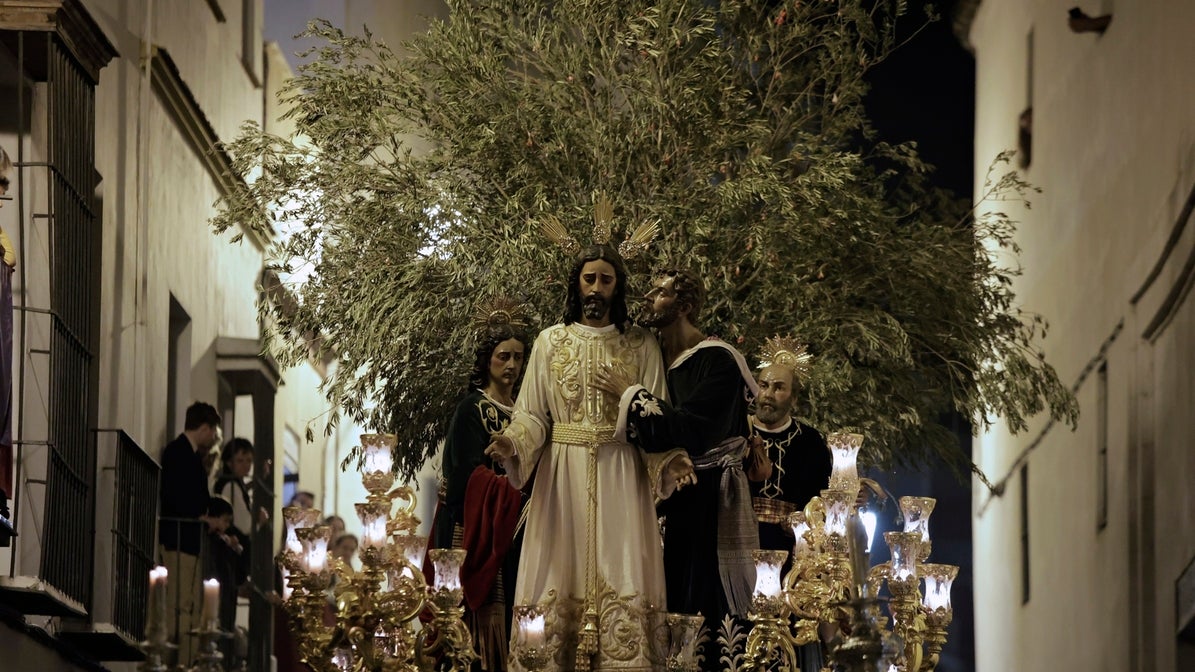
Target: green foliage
417	183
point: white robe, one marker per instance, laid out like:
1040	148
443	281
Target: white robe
555	410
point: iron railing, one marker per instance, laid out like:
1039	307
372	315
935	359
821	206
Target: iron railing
134	526
64	95
74	261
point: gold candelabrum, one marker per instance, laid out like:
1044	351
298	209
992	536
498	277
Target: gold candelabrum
366	621
830	583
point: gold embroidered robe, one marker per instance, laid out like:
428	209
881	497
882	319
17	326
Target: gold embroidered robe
611	552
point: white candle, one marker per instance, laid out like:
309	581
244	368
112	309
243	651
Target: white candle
157	598
211	600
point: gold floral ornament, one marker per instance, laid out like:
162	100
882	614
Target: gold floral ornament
603	228
790	353
500	311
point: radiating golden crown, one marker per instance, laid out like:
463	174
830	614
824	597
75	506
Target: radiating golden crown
499	311
603	228
787	352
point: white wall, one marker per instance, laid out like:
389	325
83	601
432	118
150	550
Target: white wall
1114	152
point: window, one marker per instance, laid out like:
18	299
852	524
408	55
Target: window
1024	534
1025	123
251	47
178	368
290	465
1101	504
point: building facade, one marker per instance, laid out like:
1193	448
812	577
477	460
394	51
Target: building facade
1085	550
128	308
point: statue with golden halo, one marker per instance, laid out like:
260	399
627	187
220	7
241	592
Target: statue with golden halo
592	565
479	508
801	460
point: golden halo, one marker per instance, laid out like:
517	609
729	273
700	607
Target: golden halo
790	353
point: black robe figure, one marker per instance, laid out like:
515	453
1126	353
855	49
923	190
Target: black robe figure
707	547
801	464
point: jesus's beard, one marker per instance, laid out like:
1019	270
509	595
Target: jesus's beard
595	307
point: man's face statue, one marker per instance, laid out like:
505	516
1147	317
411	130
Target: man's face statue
776	398
660	307
598	283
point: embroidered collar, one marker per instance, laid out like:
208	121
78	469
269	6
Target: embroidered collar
509	409
586	330
764	430
715	342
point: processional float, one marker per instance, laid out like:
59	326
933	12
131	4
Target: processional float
375	624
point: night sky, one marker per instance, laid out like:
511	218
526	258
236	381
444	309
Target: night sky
926	92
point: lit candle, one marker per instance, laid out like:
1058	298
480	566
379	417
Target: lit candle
844	450
903	547
767	572
317	557
916	511
938	579
211	600
533	630
373	524
448	568
838	507
378	458
157	600
800	526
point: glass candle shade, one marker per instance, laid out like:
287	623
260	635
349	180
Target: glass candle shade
838	506
377	451
529	619
844	472
903	547
800	544
297	518
768	565
314	558
916	511
684	630
938	579
374	516
412	548
447	562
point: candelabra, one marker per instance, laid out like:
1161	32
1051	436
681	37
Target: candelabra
830	582
371	628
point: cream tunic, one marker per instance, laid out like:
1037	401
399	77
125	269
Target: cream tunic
558	420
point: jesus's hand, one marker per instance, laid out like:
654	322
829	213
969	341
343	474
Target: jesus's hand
611	380
500	448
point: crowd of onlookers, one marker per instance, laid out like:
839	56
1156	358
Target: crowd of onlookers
207	523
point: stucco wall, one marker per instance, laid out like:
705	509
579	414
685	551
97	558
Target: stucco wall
1114	152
